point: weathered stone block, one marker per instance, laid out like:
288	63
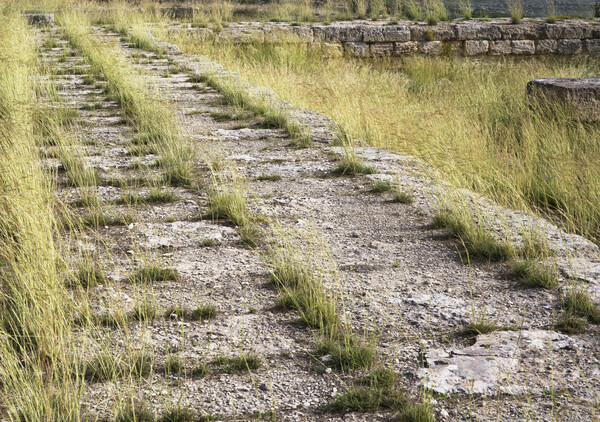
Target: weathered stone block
382	49
477	31
357	49
500	48
179	12
467	31
581	97
473	47
569	46
40	19
332	49
327	33
523	47
576	31
404	48
304	32
432	48
338	33
386	34
432	33
592	46
551	31
521	32
546	47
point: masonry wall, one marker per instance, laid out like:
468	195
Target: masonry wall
469	38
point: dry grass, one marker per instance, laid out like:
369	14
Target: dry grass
470	119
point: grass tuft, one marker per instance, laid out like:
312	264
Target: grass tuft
243	362
535	274
152	273
579	303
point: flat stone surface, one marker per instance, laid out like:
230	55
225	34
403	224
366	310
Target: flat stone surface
582	95
492	364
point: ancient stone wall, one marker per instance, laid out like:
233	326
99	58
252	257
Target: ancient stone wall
470	38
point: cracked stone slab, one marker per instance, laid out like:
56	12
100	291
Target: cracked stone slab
495	362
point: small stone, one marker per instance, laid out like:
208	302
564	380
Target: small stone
263	387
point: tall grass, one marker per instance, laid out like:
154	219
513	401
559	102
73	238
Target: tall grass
470	119
152	118
36	351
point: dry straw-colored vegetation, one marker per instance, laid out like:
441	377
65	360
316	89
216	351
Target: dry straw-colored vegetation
471	119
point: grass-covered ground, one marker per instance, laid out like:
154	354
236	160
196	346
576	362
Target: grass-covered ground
470	118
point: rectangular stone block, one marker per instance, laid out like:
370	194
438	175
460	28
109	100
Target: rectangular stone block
328	33
569	46
523	47
386	34
357	49
304	32
546	47
467	31
40	19
381	49
521	32
405	48
473	47
350	33
432	33
431	48
592	46
500	48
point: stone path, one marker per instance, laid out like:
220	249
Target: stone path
407	282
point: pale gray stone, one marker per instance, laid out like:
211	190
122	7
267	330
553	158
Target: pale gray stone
569	46
40	19
357	49
546	47
473	47
490	365
523	47
403	48
499	48
386	34
432	48
382	49
581	95
592	46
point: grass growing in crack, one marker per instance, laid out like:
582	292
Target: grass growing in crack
88	275
347	354
154	120
486	136
269	177
203	312
301	269
152	273
96	219
174	365
579	302
145	310
381	186
350	165
179	414
479	243
535	274
200	371
403	197
134	410
570	323
243	362
375	391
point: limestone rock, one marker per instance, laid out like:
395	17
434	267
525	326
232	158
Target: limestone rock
511	362
40	19
581	95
